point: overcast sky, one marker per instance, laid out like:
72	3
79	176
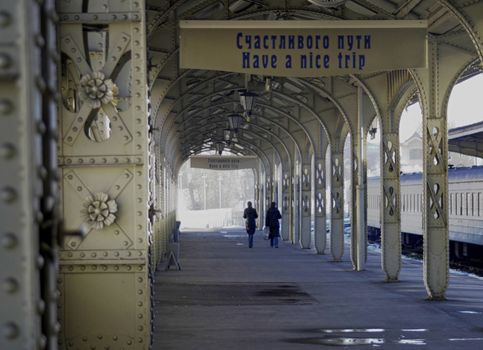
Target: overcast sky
465	107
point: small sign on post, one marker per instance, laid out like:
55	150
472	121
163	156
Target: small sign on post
223	162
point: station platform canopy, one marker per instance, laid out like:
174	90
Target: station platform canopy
467	140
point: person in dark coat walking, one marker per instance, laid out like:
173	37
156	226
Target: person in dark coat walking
250	215
271	221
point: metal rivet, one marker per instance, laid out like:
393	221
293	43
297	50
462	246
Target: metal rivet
42	172
10	285
41	85
5	107
4	19
7	150
40	261
8	194
9	241
41	127
39	40
4	61
10	331
40	306
42	342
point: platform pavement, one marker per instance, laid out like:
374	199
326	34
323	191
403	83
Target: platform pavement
228	296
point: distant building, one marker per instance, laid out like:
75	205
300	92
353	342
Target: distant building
412	156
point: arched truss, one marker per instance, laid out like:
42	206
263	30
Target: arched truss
448	24
248	140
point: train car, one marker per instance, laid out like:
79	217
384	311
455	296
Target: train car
465	209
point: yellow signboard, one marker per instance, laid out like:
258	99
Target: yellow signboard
303	48
223	162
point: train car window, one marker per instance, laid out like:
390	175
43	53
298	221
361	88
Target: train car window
466	203
472	204
456	204
450	203
479	203
461	203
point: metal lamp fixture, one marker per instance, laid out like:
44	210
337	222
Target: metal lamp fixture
227	134
372	133
235	121
247	100
219	147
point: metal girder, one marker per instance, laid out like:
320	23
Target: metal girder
105	176
29	198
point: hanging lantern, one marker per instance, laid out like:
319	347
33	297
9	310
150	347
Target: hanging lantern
235	121
227	134
219	147
247	100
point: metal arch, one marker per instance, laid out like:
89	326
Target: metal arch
371	96
261	149
466	24
278	125
277	137
261	138
157	22
294	140
262	104
327	14
277	93
453	81
331	98
402	100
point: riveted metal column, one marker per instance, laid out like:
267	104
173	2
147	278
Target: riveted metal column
104	156
358	177
337	205
306	208
257	203
268	190
435	181
286	207
157	228
296	204
28	185
320	215
390	204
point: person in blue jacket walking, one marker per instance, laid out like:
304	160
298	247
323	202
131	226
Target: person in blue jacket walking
250	215
271	221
